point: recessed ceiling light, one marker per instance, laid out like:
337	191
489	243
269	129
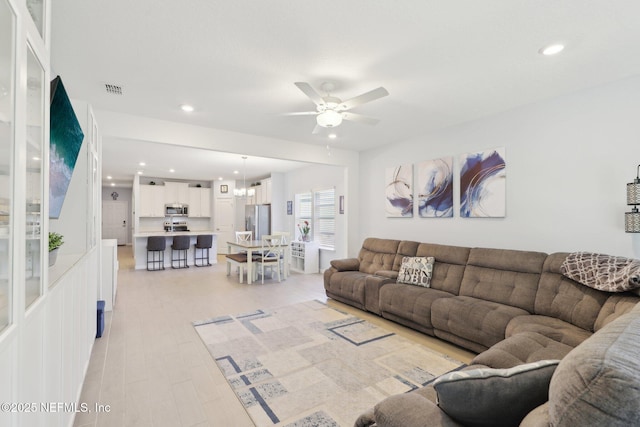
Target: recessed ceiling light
108	176
142	164
36	158
236	172
220	178
172	170
332	136
113	184
139	172
186	108
552	49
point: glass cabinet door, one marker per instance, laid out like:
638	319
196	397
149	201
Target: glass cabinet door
36	10
7	66
35	136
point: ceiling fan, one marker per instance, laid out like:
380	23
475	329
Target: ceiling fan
330	110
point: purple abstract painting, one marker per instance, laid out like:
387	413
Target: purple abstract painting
482	184
435	188
399	191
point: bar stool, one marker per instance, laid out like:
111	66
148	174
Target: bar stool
204	242
180	245
156	246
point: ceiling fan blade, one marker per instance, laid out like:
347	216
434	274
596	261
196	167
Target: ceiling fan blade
360	118
364	98
302	113
317	130
310	92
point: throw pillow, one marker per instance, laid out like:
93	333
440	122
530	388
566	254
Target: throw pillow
494	397
416	271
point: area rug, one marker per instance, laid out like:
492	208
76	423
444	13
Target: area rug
312	365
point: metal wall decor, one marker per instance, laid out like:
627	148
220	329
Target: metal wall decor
632	219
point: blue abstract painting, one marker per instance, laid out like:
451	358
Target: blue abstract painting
64	145
399	191
482	184
435	188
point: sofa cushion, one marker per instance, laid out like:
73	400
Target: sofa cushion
507	277
556	329
416	271
494	397
377	254
565	299
449	266
409	305
598	382
346	286
402	410
615	306
405	248
525	347
472	319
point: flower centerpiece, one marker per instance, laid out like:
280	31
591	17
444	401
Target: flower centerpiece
304	230
55	241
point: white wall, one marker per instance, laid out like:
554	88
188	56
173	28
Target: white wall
320	178
568	162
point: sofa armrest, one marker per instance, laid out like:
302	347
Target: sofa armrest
347	264
389	274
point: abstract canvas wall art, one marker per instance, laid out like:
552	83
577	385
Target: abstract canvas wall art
435	188
65	141
399	191
483	184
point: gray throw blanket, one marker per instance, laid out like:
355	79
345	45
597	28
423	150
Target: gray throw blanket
603	272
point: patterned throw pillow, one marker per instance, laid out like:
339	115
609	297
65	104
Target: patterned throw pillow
416	271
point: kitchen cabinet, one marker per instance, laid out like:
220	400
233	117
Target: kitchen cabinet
199	202
262	193
176	192
151	201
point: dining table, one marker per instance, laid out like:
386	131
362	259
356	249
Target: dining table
252	247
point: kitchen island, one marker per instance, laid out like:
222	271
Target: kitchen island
140	246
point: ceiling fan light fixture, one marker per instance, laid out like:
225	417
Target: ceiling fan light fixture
329	119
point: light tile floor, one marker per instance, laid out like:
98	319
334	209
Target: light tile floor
150	366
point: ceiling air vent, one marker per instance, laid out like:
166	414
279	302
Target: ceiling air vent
113	89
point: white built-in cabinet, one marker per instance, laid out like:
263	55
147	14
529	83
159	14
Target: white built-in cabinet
152	199
176	192
262	193
305	257
199	202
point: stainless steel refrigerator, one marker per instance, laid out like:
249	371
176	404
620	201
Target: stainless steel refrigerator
258	220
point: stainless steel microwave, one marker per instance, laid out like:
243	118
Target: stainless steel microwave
176	210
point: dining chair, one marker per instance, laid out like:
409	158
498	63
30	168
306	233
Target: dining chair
271	250
239	259
285	257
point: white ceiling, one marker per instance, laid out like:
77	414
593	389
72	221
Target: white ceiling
443	62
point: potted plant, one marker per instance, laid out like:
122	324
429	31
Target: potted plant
55	241
304	229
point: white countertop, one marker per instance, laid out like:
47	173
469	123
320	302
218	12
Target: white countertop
173	233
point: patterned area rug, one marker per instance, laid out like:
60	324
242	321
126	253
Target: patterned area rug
311	365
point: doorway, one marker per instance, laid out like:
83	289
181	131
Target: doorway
114	220
225	213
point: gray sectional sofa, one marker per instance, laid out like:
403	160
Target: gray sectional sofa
511	307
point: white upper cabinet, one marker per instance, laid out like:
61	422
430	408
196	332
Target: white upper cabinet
176	192
151	201
199	202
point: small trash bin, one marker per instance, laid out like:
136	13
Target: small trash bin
100	324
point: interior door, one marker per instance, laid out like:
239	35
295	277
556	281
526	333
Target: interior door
114	220
225	214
